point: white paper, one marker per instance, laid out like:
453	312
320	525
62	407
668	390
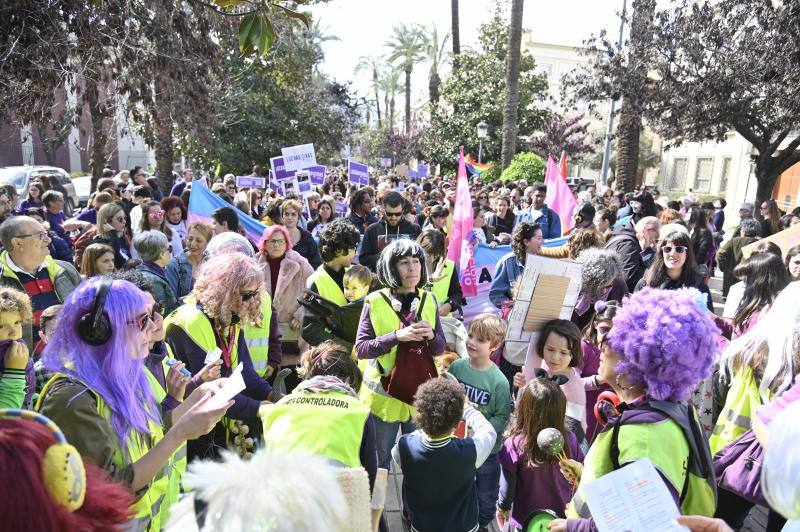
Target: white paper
632	498
213	355
232	387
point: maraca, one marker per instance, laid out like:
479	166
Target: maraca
551	442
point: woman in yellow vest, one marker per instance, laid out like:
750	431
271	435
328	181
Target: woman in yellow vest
442	272
400	312
661	346
102	397
227	297
323	416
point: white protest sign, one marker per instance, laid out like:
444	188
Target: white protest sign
299	157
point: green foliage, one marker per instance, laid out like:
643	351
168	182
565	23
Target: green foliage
475	92
527	166
256	30
493	173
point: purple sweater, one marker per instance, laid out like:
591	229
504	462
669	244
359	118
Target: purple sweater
153	362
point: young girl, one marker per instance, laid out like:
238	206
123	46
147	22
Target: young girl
593	335
558	351
531	480
16	380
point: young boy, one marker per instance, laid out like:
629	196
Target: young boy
48	322
487	388
357	283
439	470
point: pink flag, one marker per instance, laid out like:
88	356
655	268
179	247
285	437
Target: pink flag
460	247
559	197
562	164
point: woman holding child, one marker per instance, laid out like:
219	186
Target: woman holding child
400	316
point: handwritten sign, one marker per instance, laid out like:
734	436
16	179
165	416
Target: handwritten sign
299	157
786	240
246	181
358	173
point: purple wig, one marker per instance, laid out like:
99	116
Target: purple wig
666	342
116	370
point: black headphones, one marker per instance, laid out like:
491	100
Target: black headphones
94	327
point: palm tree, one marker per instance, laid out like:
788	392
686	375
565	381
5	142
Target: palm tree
512	83
318	34
455	32
436	51
373	64
390	85
407	48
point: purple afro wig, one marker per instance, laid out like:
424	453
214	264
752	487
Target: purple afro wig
666	342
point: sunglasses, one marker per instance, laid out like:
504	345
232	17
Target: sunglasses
157	214
142	320
247	296
393	214
668	249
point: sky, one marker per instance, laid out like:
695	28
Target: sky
365	25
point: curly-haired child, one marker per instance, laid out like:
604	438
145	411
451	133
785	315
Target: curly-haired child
17	382
438	469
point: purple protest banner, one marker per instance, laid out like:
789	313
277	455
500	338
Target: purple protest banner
386	162
422	170
358	173
317	174
248	181
279	169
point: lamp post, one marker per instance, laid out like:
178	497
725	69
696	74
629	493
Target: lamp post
483	131
611	108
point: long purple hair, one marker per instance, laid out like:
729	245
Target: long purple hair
115	371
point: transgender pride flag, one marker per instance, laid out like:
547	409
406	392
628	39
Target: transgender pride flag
202	202
460	248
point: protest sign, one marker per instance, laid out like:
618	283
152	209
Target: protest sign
279	170
247	181
299	157
786	240
303	182
422	171
386	162
317	174
358	173
412	174
341	209
401	170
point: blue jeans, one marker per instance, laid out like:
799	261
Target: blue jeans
386	437
487	482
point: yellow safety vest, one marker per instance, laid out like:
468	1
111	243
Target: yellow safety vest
198	327
441	288
384	321
148	508
257	337
329	424
326	286
737	415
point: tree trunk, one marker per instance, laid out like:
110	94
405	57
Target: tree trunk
454	31
433	87
164	147
99	134
512	84
408	100
391	114
377	97
766	178
630	125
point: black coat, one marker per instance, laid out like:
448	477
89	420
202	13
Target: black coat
627	246
379	234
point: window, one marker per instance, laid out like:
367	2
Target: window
702	175
724	174
677	179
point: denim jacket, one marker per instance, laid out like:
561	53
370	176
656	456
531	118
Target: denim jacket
179	276
508	271
548	221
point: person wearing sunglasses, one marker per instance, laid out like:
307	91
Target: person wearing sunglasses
674	267
393	226
154	218
227	298
155	251
103	399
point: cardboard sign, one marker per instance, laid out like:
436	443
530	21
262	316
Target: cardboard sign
247	181
299	157
386	162
786	240
317	174
422	171
279	170
401	170
358	173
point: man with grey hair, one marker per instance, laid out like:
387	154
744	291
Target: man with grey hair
154	250
634	246
27	266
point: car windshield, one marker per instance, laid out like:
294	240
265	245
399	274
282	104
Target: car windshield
13	177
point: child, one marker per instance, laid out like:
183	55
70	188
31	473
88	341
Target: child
487	388
558	351
593	336
439	470
48	322
357	281
17	382
530	479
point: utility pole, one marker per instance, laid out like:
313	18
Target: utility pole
612	104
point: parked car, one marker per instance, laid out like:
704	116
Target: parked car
82	184
21	176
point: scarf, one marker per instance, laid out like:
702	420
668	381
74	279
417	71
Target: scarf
325	384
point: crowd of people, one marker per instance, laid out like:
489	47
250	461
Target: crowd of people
125	326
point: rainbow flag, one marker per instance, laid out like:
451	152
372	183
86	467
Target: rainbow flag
474	167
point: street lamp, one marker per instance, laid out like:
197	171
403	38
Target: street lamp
483	131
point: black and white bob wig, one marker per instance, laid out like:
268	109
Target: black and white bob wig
391	255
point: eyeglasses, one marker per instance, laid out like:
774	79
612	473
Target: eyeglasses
668	249
157	214
276	242
603	330
393	214
142	320
247	296
41	235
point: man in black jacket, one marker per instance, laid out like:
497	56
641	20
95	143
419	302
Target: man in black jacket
630	242
391	227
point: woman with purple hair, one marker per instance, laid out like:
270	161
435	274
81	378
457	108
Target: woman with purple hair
102	396
662	344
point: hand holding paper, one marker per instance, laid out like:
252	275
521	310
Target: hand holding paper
231	388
